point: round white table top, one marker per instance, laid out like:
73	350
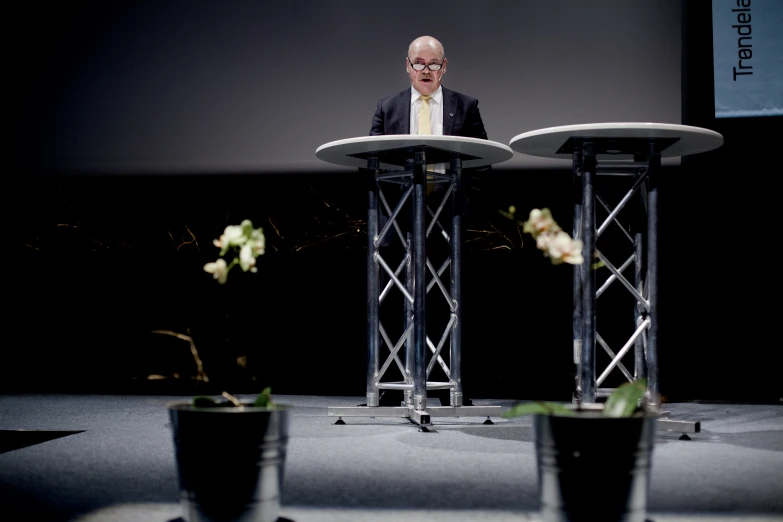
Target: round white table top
353	152
546	142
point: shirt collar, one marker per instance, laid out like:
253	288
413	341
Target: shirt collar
436	96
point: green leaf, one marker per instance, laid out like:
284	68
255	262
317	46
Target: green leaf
264	399
529	408
203	402
247	228
624	401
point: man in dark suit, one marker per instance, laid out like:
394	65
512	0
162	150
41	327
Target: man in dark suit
451	113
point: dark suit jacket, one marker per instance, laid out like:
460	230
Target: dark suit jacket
461	117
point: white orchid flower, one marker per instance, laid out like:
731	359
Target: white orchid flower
246	258
232	237
247	242
542	242
550	238
561	248
218	270
574	255
233	233
258	241
539	222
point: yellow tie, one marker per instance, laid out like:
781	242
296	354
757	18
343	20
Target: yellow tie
424	128
424	115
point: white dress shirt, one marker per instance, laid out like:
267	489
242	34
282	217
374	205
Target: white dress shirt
436	119
436	111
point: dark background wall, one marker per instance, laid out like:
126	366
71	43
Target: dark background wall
145	128
718	311
255	87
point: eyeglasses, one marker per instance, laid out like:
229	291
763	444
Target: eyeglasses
420	66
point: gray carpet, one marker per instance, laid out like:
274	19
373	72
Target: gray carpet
118	464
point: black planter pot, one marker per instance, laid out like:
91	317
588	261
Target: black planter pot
592	467
230	461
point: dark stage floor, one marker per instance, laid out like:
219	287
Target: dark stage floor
110	458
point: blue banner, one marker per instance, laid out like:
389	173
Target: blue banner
747	48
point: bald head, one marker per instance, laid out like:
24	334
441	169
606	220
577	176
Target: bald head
423	43
426	51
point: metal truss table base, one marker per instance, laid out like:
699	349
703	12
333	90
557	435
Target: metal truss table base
680	426
404	173
420	417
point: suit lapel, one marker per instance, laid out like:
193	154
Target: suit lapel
449	110
404	110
